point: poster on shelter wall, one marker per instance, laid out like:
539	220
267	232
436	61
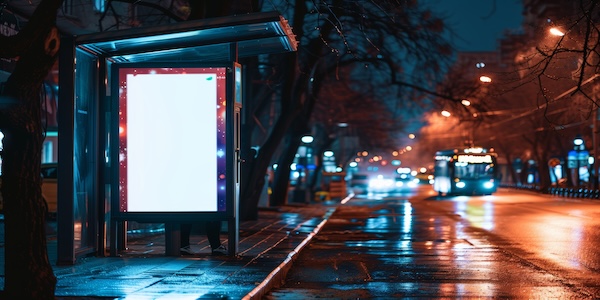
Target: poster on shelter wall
172	139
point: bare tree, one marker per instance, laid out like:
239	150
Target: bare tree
386	39
557	71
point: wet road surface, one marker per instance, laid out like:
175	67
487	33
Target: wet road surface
509	245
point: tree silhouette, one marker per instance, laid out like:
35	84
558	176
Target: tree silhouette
384	42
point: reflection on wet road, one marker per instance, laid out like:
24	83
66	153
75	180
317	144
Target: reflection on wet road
510	245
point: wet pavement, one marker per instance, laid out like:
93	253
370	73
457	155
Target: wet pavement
415	246
434	252
267	249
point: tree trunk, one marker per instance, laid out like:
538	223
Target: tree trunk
252	185
282	174
28	273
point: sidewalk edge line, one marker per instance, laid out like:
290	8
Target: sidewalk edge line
280	271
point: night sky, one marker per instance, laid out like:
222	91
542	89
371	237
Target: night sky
478	23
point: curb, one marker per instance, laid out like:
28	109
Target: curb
278	275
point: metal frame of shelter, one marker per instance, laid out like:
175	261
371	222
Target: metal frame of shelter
89	218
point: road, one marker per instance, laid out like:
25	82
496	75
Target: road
513	244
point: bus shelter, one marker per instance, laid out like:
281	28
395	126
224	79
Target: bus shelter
149	128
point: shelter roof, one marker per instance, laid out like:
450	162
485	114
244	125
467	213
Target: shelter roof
196	40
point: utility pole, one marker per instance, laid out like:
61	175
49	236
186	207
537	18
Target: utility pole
594	177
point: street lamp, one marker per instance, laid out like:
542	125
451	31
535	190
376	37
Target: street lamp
557	32
485	79
304	153
578	142
307	139
577	158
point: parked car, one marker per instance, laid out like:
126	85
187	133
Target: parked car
49	188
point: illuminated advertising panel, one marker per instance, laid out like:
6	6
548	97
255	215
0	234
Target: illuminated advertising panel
475	159
172	155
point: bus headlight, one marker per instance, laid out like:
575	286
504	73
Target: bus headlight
460	184
488	185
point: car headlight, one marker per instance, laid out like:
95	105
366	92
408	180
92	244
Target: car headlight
460	184
488	185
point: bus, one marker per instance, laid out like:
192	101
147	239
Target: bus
470	171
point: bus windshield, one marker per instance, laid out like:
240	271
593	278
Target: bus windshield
466	170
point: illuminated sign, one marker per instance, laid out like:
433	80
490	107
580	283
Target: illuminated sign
443	157
172	139
475	159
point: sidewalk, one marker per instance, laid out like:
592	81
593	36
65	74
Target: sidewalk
267	248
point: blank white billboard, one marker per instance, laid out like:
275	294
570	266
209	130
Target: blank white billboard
169	127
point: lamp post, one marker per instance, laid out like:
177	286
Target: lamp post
577	142
595	147
578	158
305	152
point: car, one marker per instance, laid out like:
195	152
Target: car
405	182
381	184
424	178
49	188
359	183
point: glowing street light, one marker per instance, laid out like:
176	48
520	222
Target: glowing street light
307	139
485	79
446	113
465	102
557	32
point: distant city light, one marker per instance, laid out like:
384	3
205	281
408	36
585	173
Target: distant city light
446	113
411	136
328	153
465	102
